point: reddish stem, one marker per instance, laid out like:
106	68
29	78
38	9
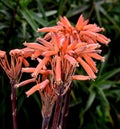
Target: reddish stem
57	112
45	122
65	110
13	101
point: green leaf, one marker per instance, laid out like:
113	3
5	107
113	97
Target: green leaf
77	10
6	4
38	18
24	3
2	26
28	17
37	99
105	106
109	74
90	100
102	10
98	13
24	30
41	8
103	98
60	9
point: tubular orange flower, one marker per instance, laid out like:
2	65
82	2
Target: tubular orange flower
25	82
58	70
2	54
13	69
87	68
80	77
35	46
40	66
90	62
28	70
71	60
35	54
39	86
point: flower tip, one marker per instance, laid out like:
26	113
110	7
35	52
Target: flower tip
2	54
108	41
16	86
103	59
27	94
33	75
25	43
93	78
102	29
80	77
32	58
38	30
77	64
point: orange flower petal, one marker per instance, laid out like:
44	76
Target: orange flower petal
49	53
49	29
35	46
88	39
80	49
28	70
35	54
23	83
40	60
72	45
71	60
27	52
93	28
56	42
65	21
80	77
96	56
80	21
58	70
2	54
91	63
45	43
86	67
89	33
15	52
25	62
101	38
93	46
37	87
39	66
65	44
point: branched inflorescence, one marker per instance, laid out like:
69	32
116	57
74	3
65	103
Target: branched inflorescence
63	48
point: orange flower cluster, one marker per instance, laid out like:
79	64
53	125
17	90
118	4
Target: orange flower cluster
18	56
64	48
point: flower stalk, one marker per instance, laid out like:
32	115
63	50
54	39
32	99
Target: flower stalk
14	107
57	112
65	110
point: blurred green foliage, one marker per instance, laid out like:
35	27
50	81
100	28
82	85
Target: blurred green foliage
93	104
